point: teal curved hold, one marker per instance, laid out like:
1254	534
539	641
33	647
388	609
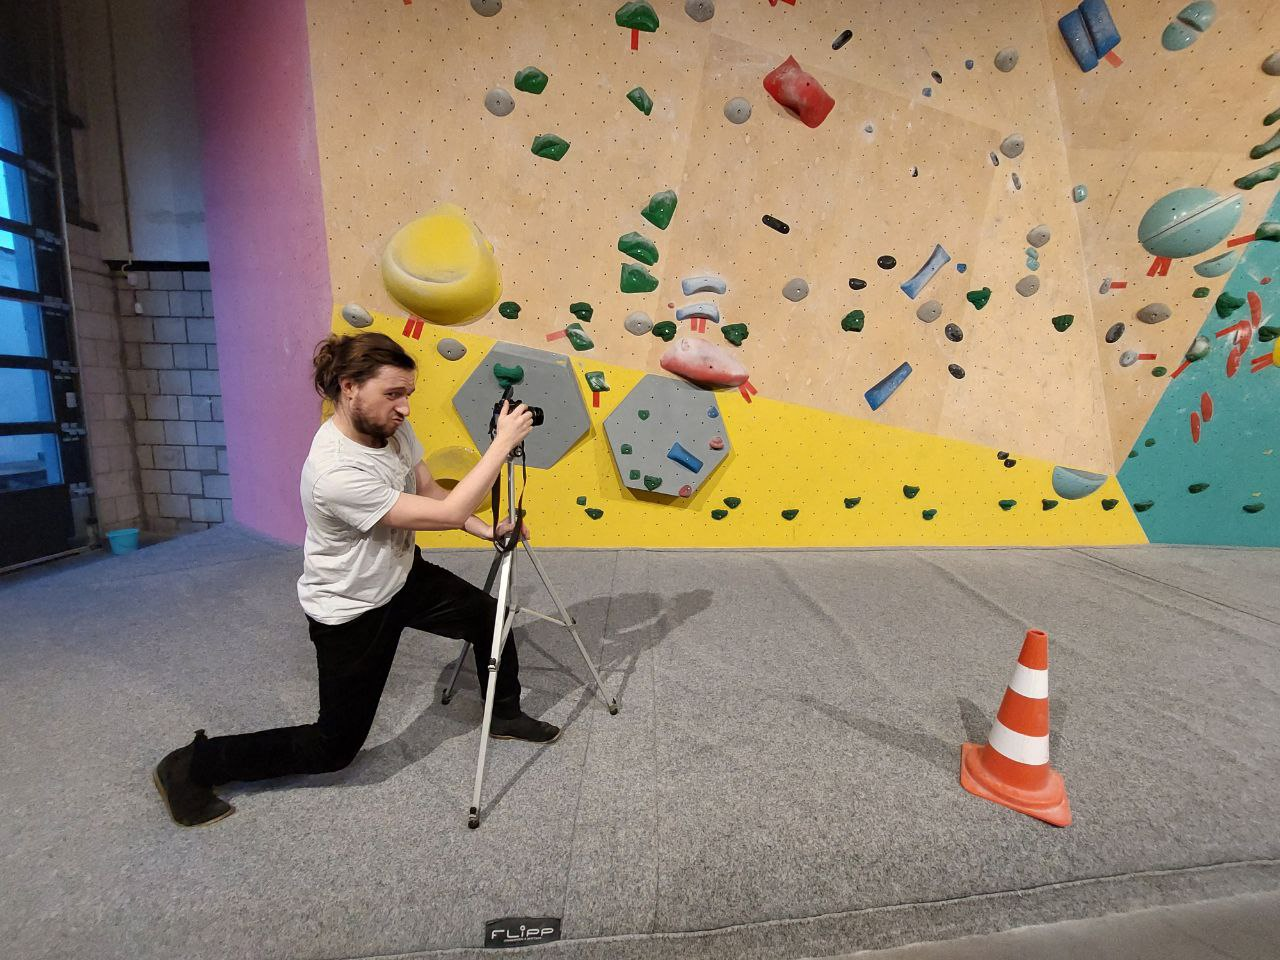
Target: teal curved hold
1072	484
1188	221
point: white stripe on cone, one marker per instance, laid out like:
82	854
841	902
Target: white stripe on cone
1032	751
1030	682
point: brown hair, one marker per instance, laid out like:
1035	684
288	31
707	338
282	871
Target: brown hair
357	358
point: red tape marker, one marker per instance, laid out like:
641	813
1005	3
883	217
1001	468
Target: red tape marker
1182	366
557	334
635	39
1146	356
1119	284
413	328
1255	309
595	398
1113	58
1236	241
1159	266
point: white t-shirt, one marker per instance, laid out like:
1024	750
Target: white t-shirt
350	564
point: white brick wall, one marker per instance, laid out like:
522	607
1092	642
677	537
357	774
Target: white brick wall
171	360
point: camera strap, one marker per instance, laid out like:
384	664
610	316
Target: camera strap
508	543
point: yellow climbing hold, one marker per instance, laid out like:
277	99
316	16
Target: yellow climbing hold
442	268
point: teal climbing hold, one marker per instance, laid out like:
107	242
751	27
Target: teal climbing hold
595	513
719	514
1048	504
929	514
851	502
790	514
910	492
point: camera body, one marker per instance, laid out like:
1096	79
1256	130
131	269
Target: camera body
538	416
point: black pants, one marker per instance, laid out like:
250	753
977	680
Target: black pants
353	660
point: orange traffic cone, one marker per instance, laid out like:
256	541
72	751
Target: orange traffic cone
1012	769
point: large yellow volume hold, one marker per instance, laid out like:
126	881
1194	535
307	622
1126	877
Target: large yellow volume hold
442	268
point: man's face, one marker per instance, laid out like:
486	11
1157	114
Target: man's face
380	404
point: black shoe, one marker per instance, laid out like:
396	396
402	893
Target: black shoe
190	804
521	726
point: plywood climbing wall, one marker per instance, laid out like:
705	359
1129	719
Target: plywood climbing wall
909	158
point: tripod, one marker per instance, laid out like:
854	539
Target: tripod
501	570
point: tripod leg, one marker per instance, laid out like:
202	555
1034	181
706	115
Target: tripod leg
457	671
501	624
571	626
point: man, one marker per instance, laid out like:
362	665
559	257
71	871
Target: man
365	490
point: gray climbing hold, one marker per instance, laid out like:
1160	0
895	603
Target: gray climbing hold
498	102
692	285
1154	313
451	349
953	332
700	11
1028	286
356	315
929	311
704	308
1006	59
1038	236
1271	65
795	290
737	110
638	323
1115	333
1012	145
1199	348
1128	358
486	8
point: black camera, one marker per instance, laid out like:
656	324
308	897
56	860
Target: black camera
538	417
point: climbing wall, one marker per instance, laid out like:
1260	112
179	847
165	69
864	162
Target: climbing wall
814	230
1164	120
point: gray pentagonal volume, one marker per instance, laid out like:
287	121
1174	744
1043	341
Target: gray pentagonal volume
677	412
549	382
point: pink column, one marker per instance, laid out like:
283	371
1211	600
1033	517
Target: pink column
267	249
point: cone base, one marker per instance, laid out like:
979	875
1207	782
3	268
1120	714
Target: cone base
1050	805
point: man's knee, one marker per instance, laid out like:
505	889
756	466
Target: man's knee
335	754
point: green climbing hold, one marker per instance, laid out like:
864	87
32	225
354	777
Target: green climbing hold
853	322
1267	334
1142	506
1271	117
1262	175
735	333
637	15
1200	292
642	100
719	514
851	502
1197	487
595	513
910	492
582	311
642	414
1007	505
596	381
1254	507
1048	504
1262	149
1158	371
636	279
509	309
578	337
733	503
625	449
634	475
790	514
582	501
979	298
1109	504
660	209
1061	323
652	483
531	80
929	514
1149	442
1133	454
1267	230
550	146
638	247
508	376
665	330
1227	304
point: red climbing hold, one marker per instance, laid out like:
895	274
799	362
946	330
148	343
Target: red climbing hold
799	92
1255	309
686	491
717	443
1195	427
703	363
1206	407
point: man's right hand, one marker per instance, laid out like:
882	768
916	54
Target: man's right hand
513	425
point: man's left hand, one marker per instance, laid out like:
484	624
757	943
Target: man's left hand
505	527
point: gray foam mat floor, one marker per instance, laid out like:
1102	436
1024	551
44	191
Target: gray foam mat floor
782	779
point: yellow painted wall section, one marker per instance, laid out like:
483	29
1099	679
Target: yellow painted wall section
784	457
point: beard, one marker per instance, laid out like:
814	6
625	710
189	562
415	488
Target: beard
367	426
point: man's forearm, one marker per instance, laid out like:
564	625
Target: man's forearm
476	527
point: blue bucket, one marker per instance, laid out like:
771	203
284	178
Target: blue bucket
123	541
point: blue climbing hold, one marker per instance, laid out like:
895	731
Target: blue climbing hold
683	457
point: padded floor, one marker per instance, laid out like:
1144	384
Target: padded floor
781	781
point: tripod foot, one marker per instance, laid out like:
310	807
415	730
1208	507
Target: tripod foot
613	708
473	819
